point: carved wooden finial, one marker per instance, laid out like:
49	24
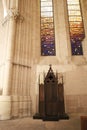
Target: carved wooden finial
50	65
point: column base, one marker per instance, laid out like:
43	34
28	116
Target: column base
21	106
5	107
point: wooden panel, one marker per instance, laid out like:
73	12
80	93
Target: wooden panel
41	92
51	105
83	122
41	108
41	99
61	107
60	92
51	108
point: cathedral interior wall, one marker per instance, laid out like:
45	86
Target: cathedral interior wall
28	64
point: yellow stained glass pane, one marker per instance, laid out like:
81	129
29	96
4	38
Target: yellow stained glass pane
46	20
73	7
46	9
46	0
74	18
74	12
76	30
46	4
46	25
76	24
46	14
72	2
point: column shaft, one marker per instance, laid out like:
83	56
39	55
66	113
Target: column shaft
9	56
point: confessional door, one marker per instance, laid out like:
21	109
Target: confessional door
51	98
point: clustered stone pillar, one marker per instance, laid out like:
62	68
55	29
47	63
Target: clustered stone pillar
10	19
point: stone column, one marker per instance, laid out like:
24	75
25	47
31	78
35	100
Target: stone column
5	99
10	20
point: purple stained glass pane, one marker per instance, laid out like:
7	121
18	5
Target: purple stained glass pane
47	48
76	47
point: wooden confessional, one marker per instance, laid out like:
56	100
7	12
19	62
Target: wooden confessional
51	98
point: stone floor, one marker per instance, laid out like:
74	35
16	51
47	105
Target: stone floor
74	123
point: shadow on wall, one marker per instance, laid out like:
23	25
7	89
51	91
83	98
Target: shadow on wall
0	91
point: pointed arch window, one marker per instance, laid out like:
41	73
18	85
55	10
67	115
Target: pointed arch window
76	26
47	28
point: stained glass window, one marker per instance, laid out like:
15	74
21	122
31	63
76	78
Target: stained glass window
47	28
76	26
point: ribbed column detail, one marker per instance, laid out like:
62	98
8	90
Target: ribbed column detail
22	63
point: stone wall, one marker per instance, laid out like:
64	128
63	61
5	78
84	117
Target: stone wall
26	62
76	90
